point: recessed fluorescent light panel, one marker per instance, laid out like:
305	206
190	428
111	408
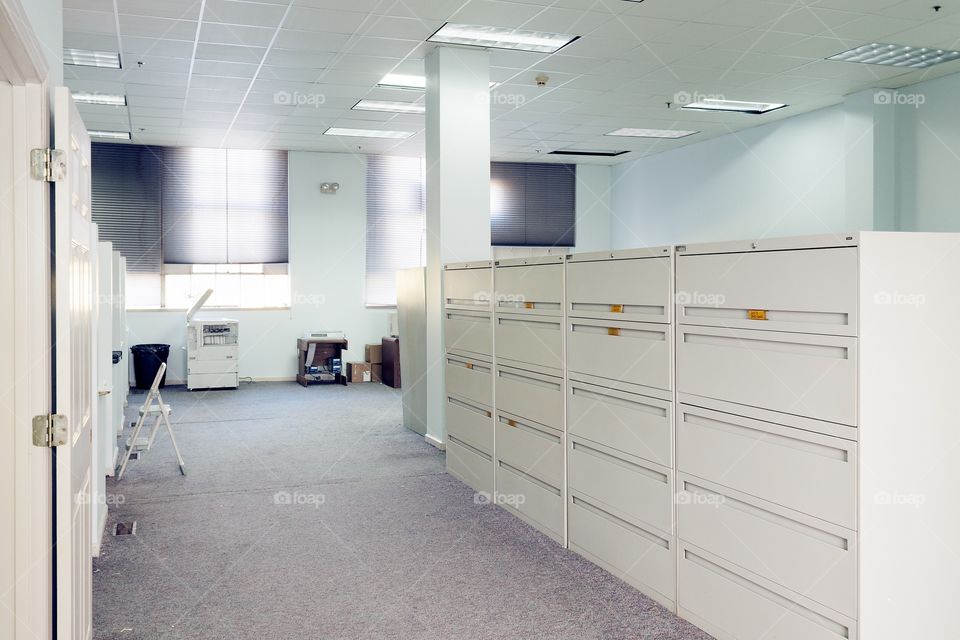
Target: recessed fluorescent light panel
113	135
407	82
100	98
736	106
87	58
390	106
651	133
501	38
366	133
895	55
577	152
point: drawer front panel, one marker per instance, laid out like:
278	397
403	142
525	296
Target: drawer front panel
468	331
804	291
470	423
539	503
536	289
801	553
641	492
643	558
531	340
472	467
206	366
468	288
531	395
638	353
636	290
804	471
533	449
731	605
638	425
469	378
812	376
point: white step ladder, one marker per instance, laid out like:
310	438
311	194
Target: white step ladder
153	406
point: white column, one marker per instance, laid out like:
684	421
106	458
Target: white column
870	163
458	190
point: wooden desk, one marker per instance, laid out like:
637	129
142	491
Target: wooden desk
325	349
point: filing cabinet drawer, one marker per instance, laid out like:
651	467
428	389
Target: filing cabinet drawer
469	378
536	502
469	465
801	553
468	288
804	291
638	425
637	491
804	471
632	352
470	423
531	289
750	608
634	289
530	395
469	331
533	449
643	558
806	375
530	340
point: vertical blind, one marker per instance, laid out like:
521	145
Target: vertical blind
172	205
395	224
533	205
126	201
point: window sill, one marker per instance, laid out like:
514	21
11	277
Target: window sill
225	309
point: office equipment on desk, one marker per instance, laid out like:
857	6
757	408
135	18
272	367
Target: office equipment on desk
320	360
213	350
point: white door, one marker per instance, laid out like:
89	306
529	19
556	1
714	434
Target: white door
74	387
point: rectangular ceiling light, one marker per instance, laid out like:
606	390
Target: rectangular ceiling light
651	133
407	82
113	135
87	58
390	106
737	106
895	55
112	100
501	38
367	133
577	152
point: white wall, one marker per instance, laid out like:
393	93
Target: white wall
327	268
46	18
785	178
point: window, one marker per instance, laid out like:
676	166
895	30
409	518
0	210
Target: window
532	205
190	219
395	224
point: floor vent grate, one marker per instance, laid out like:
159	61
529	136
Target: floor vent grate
126	529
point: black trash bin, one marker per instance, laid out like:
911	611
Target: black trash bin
146	363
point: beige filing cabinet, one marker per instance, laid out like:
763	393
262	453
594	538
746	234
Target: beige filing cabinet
468	372
818	448
620	472
528	385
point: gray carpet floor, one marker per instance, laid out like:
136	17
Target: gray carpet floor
312	513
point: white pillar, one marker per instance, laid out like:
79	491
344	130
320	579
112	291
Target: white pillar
458	190
870	162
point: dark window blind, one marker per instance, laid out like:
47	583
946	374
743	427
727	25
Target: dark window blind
395	224
532	205
125	184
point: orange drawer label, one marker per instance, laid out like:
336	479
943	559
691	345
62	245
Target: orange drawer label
757	314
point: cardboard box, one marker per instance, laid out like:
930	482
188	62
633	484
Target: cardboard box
376	372
373	353
358	372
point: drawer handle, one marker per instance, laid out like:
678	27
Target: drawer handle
506	375
629	526
460	443
544	324
626	309
472	366
468	407
472	302
776	346
463	317
832	453
772	315
529	478
530	429
825	622
616	400
655	336
726	501
620	462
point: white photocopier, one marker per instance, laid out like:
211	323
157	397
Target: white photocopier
213	350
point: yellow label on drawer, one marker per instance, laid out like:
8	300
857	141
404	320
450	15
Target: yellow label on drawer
616	308
489	415
757	314
511	423
469	365
613	331
529	305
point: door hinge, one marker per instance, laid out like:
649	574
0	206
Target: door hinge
49	165
50	430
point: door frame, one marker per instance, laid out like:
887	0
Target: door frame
25	332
